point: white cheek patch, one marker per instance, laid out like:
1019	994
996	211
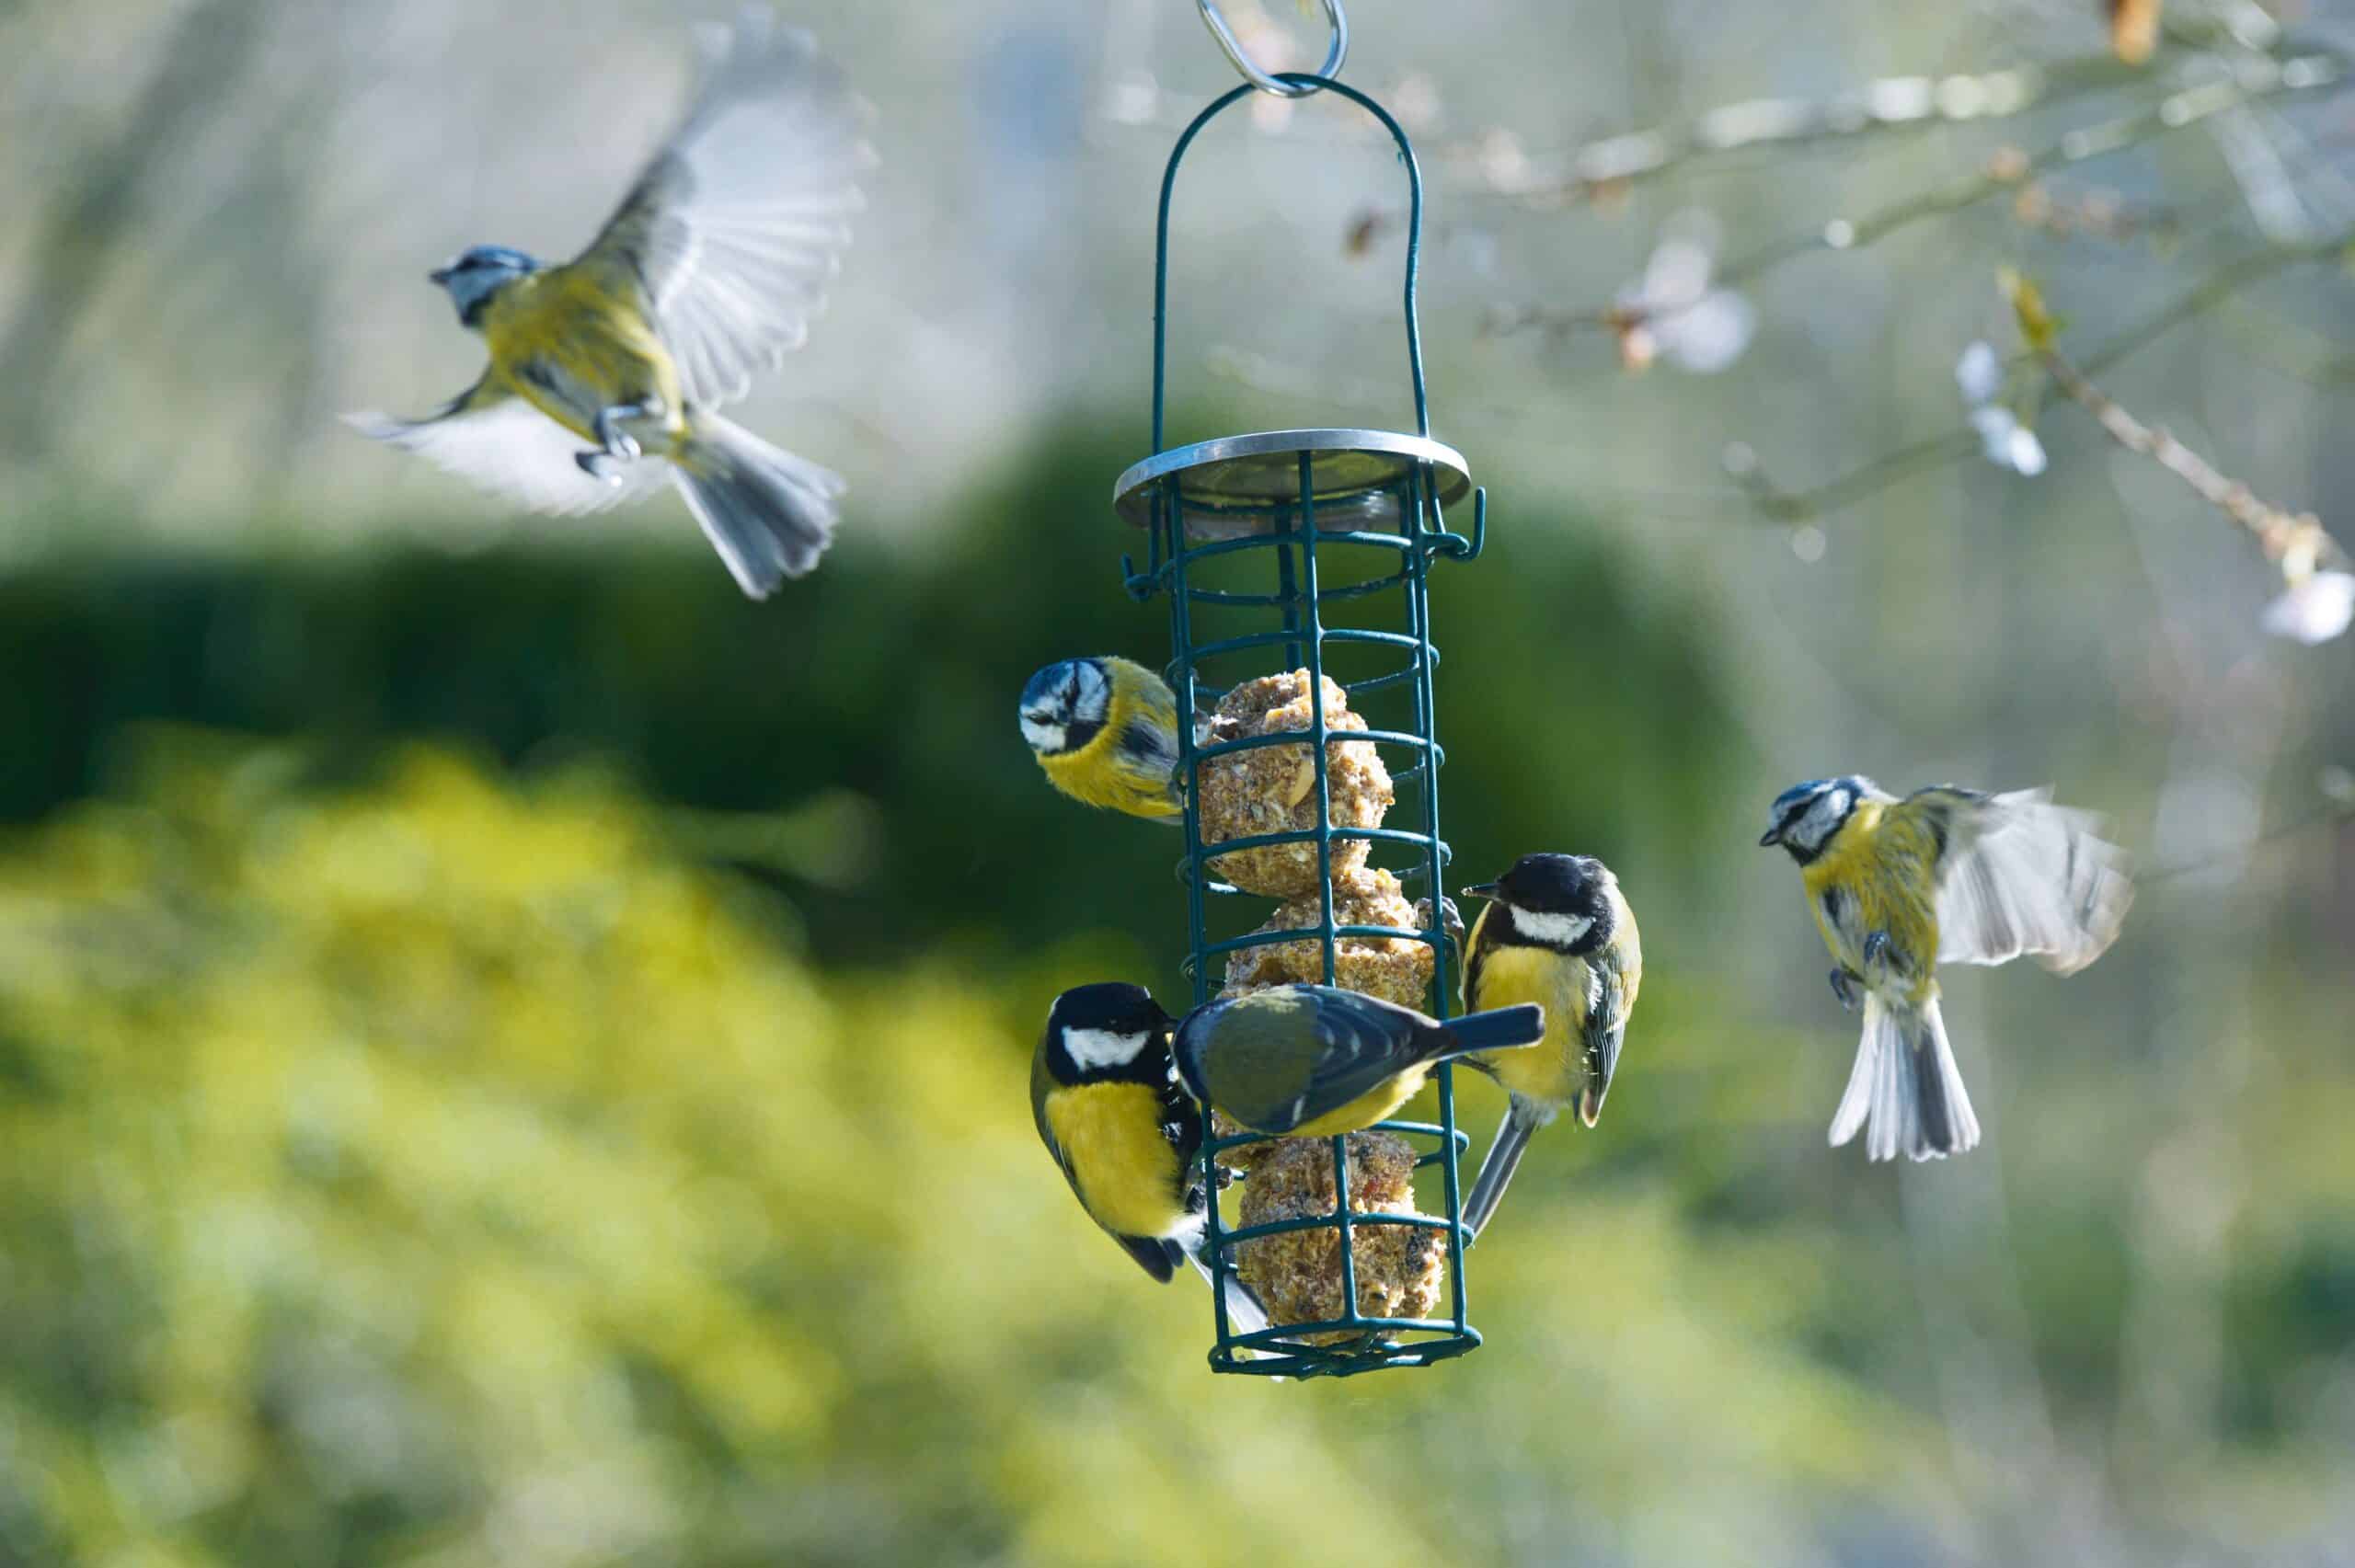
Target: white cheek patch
1093	1048
1822	819
1555	930
1042	736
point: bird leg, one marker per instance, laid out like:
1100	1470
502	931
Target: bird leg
1845	982
616	445
1881	958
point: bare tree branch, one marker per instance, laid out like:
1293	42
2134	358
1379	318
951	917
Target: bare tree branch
1799	506
2260	80
2278	532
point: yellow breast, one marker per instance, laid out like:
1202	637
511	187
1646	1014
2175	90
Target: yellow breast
1554	1070
1102	773
1881	873
1096	774
563	323
1129	1176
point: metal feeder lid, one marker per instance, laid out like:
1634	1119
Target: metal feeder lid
1237	484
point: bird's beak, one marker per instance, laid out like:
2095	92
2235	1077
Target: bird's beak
1771	836
1483	891
439	275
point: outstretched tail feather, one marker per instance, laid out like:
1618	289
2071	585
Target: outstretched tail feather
1498	1165
1905	1093
769	513
1498	1029
1244	1313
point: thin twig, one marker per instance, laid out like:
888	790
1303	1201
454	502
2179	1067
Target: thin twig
1799	506
2007	171
1608	166
2278	532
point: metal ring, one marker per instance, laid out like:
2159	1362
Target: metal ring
1260	79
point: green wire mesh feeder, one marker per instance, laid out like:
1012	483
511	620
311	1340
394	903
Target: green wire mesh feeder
1310	503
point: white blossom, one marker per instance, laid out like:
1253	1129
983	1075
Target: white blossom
1672	311
1979	373
2006	442
2314	609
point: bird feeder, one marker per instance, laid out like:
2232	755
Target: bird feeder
1297	568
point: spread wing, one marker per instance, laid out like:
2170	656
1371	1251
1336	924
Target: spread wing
732	232
2023	875
495	440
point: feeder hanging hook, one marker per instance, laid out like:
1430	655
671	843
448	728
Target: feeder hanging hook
1279	85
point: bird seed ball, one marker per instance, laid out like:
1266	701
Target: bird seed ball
1401	1269
1396	968
1272	789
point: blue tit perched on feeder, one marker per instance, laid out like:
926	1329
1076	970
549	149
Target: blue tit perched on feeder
1558	932
1311	1061
1108	1105
1106	731
1944	875
710	271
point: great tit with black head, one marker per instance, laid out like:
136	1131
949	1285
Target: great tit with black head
1944	875
1106	732
1558	932
1312	1062
1126	1136
710	270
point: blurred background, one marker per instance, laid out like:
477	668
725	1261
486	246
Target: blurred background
510	1053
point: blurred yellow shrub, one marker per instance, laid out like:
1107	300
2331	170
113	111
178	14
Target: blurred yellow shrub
453	1170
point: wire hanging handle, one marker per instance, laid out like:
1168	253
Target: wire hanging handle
1218	106
1281	86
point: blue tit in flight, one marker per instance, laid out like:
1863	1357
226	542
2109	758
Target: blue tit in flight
1312	1062
1558	932
1106	731
1126	1137
709	271
1945	876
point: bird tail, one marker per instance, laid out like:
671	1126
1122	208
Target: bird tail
1521	1124
1244	1313
1905	1091
769	513
1499	1028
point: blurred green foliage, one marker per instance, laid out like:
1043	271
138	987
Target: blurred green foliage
440	1171
519	1058
879	699
427	1168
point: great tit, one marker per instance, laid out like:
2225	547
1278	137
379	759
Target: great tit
711	269
1106	732
1556	931
1126	1137
1311	1061
1944	875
